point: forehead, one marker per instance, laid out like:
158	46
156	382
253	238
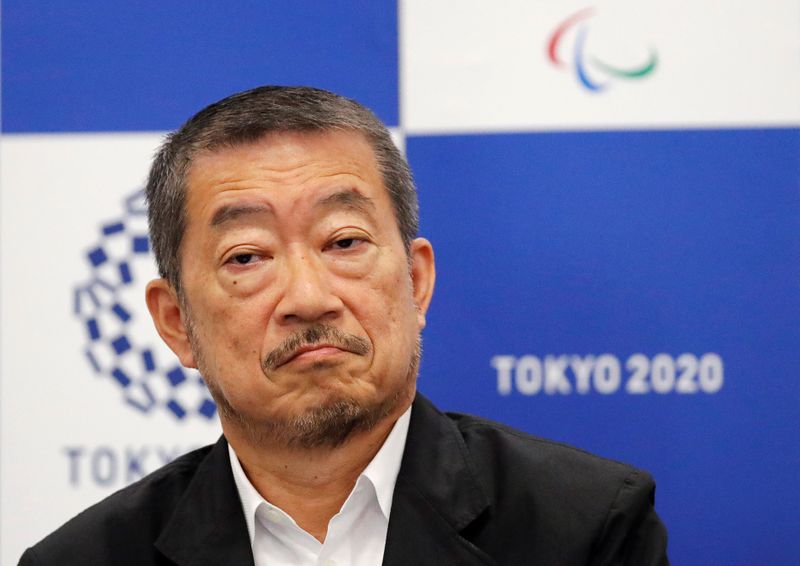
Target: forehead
284	162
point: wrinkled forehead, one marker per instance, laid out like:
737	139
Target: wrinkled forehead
286	164
290	156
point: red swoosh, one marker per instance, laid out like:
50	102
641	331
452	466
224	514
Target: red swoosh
552	45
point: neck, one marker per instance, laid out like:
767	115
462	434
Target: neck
310	484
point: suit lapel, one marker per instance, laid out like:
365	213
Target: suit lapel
436	497
208	525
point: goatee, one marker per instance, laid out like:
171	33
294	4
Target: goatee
330	424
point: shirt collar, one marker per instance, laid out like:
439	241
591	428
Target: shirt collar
381	472
383	469
248	495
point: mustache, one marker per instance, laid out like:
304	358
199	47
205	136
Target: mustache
311	336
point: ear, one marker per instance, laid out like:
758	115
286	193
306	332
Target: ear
423	276
165	309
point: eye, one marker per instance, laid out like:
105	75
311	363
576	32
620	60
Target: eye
244	258
346	243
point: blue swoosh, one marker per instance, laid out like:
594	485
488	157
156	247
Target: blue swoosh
579	68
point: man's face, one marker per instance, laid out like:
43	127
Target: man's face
301	306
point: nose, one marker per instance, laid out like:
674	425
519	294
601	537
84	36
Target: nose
307	295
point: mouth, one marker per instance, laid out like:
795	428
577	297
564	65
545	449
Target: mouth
320	344
313	353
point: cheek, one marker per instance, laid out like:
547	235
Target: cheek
243	284
393	314
229	327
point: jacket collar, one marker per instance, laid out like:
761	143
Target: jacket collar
437	496
208	527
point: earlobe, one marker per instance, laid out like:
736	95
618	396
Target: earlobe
165	310
423	276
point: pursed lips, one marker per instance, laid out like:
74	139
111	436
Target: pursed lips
316	342
315	350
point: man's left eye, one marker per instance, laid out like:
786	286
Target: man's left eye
347	243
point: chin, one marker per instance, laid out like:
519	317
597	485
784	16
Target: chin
327	413
325	417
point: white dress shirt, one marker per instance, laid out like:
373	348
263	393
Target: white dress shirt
356	534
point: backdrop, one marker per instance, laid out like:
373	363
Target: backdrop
611	188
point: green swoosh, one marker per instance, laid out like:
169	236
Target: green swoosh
635	73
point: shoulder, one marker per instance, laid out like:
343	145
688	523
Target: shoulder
576	500
500	450
130	518
521	469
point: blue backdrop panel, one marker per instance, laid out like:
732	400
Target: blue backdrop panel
632	242
80	66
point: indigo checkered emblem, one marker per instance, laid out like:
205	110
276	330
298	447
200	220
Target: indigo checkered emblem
121	344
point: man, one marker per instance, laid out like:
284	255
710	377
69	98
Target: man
284	225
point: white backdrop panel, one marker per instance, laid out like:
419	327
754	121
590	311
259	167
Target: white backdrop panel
58	190
485	66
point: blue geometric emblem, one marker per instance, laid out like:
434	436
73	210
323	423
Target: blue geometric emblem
121	343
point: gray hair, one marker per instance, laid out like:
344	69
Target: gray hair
244	118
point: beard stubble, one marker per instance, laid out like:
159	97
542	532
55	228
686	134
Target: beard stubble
326	425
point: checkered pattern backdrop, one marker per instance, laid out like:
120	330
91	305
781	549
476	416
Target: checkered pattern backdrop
611	188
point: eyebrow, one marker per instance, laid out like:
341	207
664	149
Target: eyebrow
232	212
348	198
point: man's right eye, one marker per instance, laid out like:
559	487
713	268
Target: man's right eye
243	259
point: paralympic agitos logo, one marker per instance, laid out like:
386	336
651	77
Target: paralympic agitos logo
593	73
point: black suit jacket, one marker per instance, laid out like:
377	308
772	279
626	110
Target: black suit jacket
469	492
